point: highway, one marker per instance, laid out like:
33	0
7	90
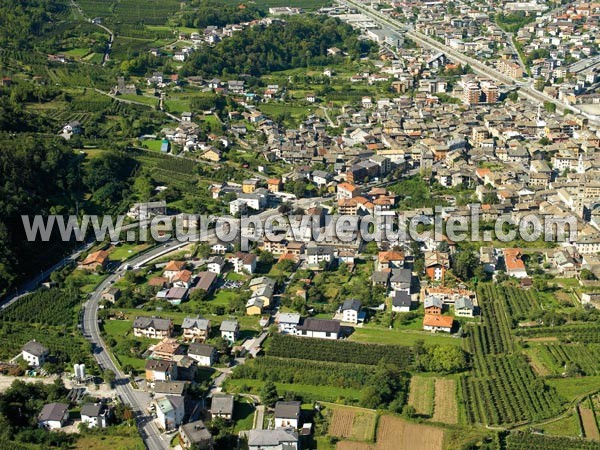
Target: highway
525	88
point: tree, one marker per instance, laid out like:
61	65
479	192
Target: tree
409	411
203	250
587	274
268	394
109	377
370	397
465	264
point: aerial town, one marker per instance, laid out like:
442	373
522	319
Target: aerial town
462	137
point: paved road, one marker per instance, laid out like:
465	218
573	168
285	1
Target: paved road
149	431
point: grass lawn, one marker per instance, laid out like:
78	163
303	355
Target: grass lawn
399	337
116	438
568	426
243	415
232	276
177	106
223	297
87	281
126	251
119	330
569	388
324	393
77	52
152	144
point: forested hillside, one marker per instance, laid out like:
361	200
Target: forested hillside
23	20
300	42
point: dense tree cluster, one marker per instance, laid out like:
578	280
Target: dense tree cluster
299	42
19	407
212	13
22	20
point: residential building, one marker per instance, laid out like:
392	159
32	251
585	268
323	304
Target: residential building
222	406
95	415
152	327
95	261
287	414
319	254
244	262
401	302
433	305
204	354
159	370
195	434
434	322
170	410
230	330
436	264
278	439
35	353
287	322
463	307
319	328
351	312
515	267
53	416
195	329
167	349
216	264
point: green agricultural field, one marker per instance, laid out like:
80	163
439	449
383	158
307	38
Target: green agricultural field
370	335
325	393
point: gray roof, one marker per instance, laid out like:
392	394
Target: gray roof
155	322
195	322
169	387
271	437
35	348
196	432
320	325
229	325
196	348
222	404
288	318
92	409
351	304
320	250
401	298
433	301
287	410
463	303
380	276
53	411
401	276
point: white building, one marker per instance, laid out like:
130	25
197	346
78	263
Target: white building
319	328
53	416
230	330
287	414
351	311
35	353
94	415
169	411
287	322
